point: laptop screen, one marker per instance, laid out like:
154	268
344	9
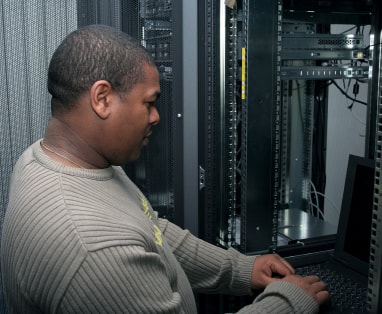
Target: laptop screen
354	229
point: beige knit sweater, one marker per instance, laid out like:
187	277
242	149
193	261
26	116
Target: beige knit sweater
87	241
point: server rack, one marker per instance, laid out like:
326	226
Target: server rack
167	168
225	111
162	184
168	171
288	62
281	47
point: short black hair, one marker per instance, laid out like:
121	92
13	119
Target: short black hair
92	53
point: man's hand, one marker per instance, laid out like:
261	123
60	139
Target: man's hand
312	285
267	268
271	267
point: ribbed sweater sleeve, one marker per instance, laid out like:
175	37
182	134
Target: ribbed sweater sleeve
282	297
215	270
209	268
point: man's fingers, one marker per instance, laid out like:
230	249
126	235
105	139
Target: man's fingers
312	285
289	266
322	297
312	278
281	266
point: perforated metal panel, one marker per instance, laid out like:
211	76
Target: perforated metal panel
30	32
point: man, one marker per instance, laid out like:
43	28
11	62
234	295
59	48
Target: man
79	236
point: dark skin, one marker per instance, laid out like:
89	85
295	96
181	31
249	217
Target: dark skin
61	138
106	129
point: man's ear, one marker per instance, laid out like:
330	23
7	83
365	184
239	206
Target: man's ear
100	97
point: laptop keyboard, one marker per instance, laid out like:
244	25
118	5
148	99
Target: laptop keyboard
347	295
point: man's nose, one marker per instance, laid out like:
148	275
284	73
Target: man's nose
154	116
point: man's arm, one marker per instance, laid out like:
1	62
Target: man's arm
235	273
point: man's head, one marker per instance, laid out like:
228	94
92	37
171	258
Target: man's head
90	54
104	86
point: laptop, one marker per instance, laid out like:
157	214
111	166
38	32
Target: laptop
345	269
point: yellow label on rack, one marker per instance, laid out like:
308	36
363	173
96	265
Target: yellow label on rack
243	72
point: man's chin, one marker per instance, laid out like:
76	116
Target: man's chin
134	157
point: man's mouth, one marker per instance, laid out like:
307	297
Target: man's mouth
146	138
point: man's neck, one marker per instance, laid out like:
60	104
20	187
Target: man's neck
63	140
